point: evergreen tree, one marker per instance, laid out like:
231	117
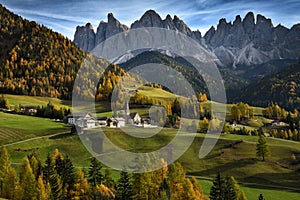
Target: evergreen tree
188	192
48	167
176	180
217	190
35	165
222	189
27	180
231	188
56	186
4	164
124	186
240	195
95	176
107	179
261	197
197	189
68	175
164	190
104	192
262	148
226	189
41	190
4	103
81	189
9	185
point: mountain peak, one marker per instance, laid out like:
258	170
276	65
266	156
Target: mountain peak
237	20
260	19
241	42
89	26
110	17
149	19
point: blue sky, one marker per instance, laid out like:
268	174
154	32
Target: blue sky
64	15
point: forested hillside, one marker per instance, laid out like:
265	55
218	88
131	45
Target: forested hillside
177	63
282	88
35	60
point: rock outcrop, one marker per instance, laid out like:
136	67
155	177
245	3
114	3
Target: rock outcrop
241	42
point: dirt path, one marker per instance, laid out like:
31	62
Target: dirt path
34	138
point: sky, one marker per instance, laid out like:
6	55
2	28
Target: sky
64	15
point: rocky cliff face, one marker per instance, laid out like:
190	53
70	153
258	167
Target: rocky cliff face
241	42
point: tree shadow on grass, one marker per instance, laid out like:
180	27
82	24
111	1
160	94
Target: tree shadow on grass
224	167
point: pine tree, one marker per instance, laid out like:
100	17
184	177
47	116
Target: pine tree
9	185
68	175
41	190
95	176
217	190
231	188
48	167
27	180
104	192
4	165
176	180
35	165
56	186
81	189
261	197
240	195
188	192
262	148
197	189
124	186
107	179
4	103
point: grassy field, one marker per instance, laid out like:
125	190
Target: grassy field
238	160
20	127
31	100
253	193
156	93
257	111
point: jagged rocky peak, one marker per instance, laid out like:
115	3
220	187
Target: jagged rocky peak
237	21
89	26
242	42
85	37
114	26
263	33
249	18
279	33
248	23
208	35
152	19
260	19
181	26
149	19
109	28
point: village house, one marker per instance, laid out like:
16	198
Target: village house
83	120
102	121
30	109
134	118
116	122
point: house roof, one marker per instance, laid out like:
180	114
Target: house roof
132	115
79	115
102	118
